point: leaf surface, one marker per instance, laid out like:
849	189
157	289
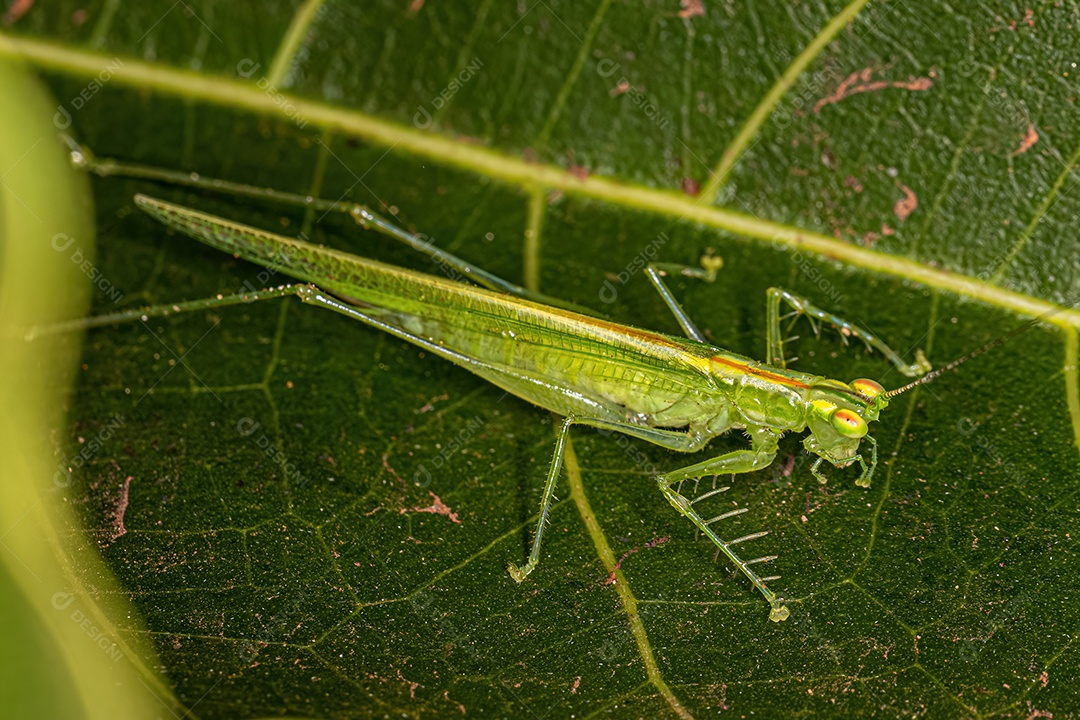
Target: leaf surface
313	519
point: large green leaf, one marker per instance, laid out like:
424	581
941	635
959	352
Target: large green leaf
261	492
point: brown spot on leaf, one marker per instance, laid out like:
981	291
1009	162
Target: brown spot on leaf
446	696
431	403
1028	19
392	471
17	10
437	507
907	204
651	544
1030	138
862	81
577	171
690	186
691	8
412	685
116	517
789	465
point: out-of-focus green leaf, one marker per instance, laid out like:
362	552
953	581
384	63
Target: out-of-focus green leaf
61	654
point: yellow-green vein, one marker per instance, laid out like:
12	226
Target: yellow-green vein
286	52
575	71
515	171
757	118
1037	218
626	595
535	226
1072	387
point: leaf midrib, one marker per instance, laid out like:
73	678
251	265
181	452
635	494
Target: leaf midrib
245	95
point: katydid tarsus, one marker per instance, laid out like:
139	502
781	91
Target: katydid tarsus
678	393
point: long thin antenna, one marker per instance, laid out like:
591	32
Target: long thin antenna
1001	340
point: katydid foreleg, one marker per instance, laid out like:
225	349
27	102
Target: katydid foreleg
801	306
761	455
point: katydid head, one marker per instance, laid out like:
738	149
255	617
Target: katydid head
838	416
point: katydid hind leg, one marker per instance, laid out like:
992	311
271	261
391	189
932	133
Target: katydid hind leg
165	310
776	297
448	264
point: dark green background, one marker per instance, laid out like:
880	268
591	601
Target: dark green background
945	590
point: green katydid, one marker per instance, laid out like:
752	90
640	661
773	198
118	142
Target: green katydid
678	393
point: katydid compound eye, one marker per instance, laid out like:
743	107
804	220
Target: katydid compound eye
848	423
869	388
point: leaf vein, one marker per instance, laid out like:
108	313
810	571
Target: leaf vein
515	171
290	44
622	586
575	72
749	130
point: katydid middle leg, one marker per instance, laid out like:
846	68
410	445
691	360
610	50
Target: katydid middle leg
761	454
671	439
707	272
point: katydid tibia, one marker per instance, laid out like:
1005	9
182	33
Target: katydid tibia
678	393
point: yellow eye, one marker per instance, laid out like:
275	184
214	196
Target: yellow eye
869	388
848	423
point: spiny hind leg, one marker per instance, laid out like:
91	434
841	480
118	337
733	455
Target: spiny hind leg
739	461
802	306
450	265
167	310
